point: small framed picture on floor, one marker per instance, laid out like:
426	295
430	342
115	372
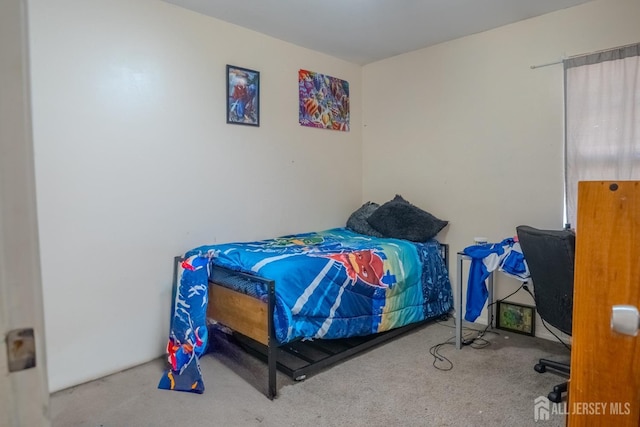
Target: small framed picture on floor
516	318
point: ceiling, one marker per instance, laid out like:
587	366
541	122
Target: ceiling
364	31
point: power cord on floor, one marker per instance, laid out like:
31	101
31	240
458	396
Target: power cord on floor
440	361
477	342
464	340
439	358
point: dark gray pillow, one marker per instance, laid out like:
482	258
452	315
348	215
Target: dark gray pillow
401	220
358	220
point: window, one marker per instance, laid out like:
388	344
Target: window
602	120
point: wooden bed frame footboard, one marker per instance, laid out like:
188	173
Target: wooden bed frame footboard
248	316
252	318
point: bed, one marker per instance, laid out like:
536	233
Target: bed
303	301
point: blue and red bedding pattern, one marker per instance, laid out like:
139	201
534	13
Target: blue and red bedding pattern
188	337
329	284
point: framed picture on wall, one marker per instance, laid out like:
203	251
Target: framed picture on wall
516	318
323	101
243	96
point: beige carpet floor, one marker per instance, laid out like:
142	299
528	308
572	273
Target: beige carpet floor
395	384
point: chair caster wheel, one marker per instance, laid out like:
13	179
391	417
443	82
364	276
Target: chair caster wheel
560	388
540	368
555	397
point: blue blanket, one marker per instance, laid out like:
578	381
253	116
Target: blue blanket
329	284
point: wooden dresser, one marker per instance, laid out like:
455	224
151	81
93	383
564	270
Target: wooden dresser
604	389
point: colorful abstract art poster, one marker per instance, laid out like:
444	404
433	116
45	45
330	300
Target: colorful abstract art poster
324	101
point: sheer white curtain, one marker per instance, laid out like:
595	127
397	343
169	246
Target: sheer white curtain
602	107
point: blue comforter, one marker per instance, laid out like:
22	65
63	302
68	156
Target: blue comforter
329	284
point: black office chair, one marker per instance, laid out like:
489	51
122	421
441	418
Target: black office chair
550	255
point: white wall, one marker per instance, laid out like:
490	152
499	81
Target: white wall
468	131
135	164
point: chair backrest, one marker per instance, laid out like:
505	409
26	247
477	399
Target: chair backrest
550	255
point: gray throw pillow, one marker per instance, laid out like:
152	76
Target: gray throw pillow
401	220
358	220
